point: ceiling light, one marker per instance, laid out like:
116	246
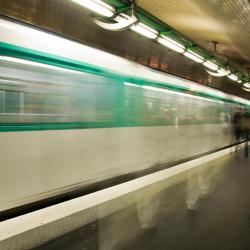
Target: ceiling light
233	77
246	85
171	44
123	21
246	89
144	30
193	56
97	6
210	65
224	72
217	74
35	64
220	72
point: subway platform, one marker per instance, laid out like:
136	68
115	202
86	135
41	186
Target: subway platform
219	219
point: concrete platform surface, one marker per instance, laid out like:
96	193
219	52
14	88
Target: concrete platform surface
218	219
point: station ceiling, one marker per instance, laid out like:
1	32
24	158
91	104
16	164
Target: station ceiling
202	21
224	21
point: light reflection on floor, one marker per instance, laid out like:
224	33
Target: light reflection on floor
205	208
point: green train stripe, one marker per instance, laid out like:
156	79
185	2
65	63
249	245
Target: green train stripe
88	125
24	53
54	60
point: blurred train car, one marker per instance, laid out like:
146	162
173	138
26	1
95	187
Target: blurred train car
71	116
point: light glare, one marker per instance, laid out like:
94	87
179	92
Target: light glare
35	64
123	21
147	87
210	65
144	30
171	44
193	56
246	89
223	72
220	72
247	85
233	77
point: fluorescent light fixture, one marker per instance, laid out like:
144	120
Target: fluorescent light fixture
35	64
144	30
220	72
171	44
246	85
97	6
193	56
121	17
123	21
224	72
246	89
210	65
233	77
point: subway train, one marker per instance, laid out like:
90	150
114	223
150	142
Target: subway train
73	116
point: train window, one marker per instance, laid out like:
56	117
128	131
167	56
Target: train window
2	102
12	102
2	106
39	96
45	107
11	106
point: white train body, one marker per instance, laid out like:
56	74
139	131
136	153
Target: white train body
52	151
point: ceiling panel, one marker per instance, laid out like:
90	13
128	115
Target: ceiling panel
203	21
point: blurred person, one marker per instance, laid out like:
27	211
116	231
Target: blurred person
237	127
245	129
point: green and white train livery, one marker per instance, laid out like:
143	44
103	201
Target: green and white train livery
71	115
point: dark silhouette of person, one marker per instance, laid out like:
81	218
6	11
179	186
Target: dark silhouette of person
245	129
237	124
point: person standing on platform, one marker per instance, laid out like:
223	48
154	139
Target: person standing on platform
237	126
245	128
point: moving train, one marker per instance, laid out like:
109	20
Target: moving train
72	116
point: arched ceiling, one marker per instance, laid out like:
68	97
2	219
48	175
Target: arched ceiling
203	21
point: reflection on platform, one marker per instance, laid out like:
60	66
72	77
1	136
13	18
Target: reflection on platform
204	208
